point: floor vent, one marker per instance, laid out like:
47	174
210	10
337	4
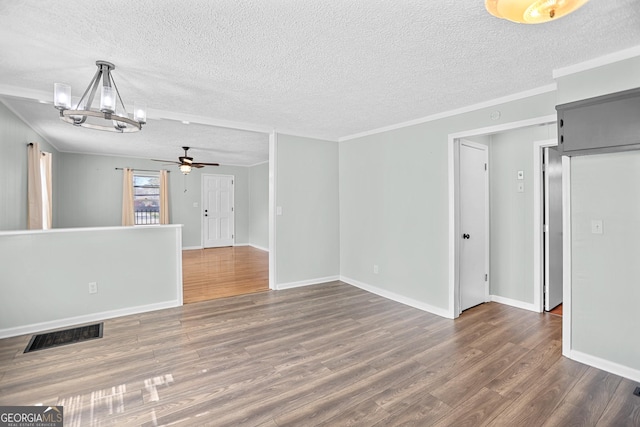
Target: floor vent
67	336
637	391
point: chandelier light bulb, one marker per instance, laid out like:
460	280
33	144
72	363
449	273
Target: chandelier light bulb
62	96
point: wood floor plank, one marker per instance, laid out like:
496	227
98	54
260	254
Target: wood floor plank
329	354
624	408
222	272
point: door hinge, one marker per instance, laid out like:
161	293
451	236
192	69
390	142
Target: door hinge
485	166
231	208
231	182
486	277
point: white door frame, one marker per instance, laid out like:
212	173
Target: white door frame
273	151
538	219
454	219
566	256
202	204
487	229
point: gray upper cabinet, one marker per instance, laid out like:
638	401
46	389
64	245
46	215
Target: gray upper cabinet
604	124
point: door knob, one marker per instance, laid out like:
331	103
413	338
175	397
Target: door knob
465	236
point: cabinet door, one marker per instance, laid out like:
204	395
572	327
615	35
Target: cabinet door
604	124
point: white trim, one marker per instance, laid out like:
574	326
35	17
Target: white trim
93	317
610	58
605	365
474	107
514	303
84	229
179	283
397	297
290	285
452	151
538	267
273	160
566	256
258	247
453	220
258	164
192	248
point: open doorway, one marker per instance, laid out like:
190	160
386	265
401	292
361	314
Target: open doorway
548	261
512	274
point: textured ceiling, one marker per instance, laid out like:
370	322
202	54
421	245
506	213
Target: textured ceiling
326	69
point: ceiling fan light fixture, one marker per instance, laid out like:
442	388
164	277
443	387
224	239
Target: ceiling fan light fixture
185	169
532	11
111	115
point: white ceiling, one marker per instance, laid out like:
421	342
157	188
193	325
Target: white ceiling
325	69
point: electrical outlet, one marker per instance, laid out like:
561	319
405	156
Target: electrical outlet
375	269
93	287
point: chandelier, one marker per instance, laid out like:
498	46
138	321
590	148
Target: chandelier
532	11
111	115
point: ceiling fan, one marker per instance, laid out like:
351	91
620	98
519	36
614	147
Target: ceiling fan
186	163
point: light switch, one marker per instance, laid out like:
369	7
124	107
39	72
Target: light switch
521	187
278	210
520	174
596	226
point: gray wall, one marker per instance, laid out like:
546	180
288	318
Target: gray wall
91	194
511	212
307	232
605	291
14	137
46	274
394	205
259	206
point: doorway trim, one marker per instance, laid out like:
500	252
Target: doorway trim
566	257
454	218
538	217
273	151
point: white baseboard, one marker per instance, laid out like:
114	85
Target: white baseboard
192	248
93	317
398	298
605	365
514	303
259	247
281	286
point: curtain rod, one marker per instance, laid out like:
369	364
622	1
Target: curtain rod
144	170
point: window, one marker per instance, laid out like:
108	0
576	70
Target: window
146	199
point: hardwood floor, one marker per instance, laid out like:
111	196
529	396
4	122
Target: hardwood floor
557	310
324	355
222	272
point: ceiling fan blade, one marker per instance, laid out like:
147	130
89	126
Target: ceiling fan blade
197	165
200	164
165	161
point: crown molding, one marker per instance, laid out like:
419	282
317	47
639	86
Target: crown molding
474	107
610	58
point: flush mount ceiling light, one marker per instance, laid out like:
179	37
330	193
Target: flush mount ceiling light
111	114
532	11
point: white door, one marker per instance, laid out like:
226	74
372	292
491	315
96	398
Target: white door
474	254
218	211
553	228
